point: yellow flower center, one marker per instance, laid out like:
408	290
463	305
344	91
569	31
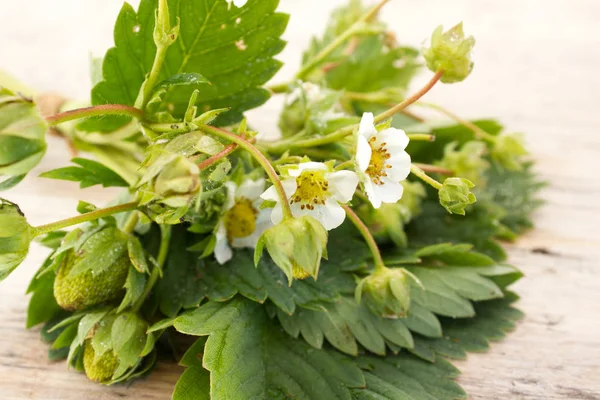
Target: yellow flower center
299	273
240	220
312	189
378	165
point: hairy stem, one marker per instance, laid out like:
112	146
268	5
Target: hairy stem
479	133
91	216
131	222
434	169
424	177
407	102
364	230
95	111
259	157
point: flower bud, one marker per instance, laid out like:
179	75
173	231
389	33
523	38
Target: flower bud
386	292
22	137
468	162
104	261
508	149
451	52
15	237
456	195
296	245
99	368
178	184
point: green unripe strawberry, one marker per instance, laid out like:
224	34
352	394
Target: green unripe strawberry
107	264
99	369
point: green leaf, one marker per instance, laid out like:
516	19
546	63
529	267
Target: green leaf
343	324
134	288
89	173
22	137
137	255
232	48
249	357
194	384
516	192
42	305
187	280
404	377
494	320
374	66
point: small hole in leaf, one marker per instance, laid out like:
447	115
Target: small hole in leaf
136	29
241	45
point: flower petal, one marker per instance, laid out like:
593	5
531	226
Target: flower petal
289	187
307	166
277	214
372	194
222	250
367	126
231	190
331	215
400	163
390	191
342	185
363	153
251	189
396	139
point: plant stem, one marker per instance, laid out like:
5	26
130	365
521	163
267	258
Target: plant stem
283	145
91	216
222	154
424	177
345	164
105	109
425	137
131	222
407	102
260	158
163	251
347	34
364	230
434	169
479	133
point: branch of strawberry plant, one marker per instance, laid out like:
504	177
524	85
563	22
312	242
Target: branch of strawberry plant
355	29
259	157
91	216
479	133
364	231
285	145
417	171
95	111
434	169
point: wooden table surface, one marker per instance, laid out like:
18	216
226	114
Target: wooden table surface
536	69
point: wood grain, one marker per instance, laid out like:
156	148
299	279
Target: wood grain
537	70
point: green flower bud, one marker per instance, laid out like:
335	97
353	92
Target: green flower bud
508	149
456	195
178	184
296	245
386	292
22	137
15	236
388	221
99	368
451	52
95	273
468	162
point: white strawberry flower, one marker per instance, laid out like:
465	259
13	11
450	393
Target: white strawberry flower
314	189
382	161
242	222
